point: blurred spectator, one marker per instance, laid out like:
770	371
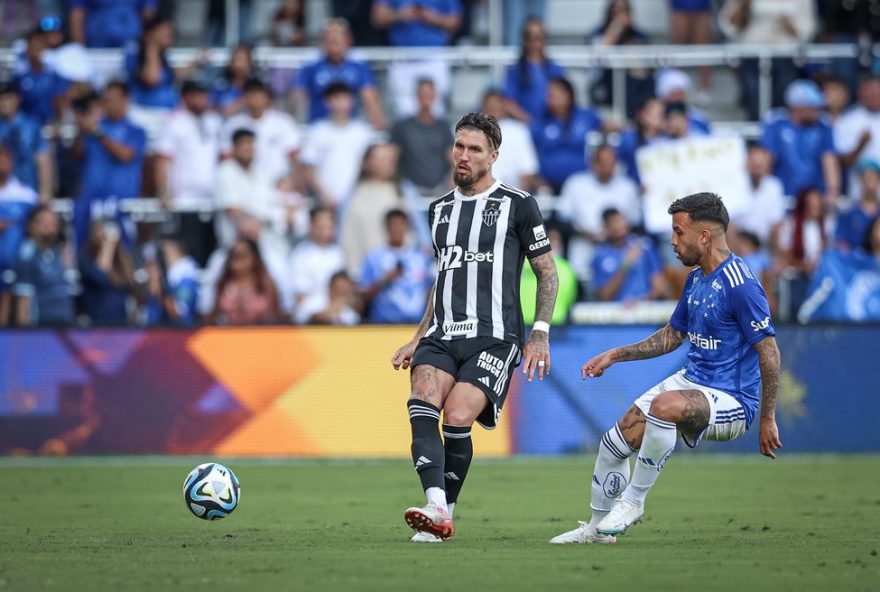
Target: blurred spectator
150	76
804	235
357	13
38	84
172	285
517	162
673	86
767	22
396	279
334	148
42	282
277	137
516	13
766	204
626	267
690	22
851	22
338	305
227	94
560	134
316	259
425	144
802	143
16	202
566	295
585	197
188	150
246	199
748	246
422	23
246	294
871	246
836	98
287	28
336	66
108	23
677	124
853	223
857	132
526	82
619	29
32	161
363	219
649	121
111	149
106	274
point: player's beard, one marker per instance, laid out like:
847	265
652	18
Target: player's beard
689	256
469	179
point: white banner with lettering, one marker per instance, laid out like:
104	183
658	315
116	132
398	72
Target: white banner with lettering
676	168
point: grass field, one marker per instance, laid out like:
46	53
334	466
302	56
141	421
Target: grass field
713	523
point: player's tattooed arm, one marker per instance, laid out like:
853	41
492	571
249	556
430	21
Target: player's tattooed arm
769	362
425	324
662	342
544	267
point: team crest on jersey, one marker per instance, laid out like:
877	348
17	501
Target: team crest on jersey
491	212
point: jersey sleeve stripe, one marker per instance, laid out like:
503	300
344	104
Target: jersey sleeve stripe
738	272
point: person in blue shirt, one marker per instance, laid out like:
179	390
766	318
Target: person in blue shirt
106	274
802	143
335	65
560	134
853	223
526	81
673	86
39	85
111	149
173	285
24	138
733	356
396	279
108	23
16	202
150	76
648	129
43	290
227	92
626	267
417	23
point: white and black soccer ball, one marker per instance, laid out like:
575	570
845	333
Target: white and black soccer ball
211	491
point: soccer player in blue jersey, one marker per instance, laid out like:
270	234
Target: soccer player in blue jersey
723	312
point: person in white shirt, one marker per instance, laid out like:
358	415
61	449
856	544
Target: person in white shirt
334	148
857	132
277	137
337	305
767	203
314	261
585	196
188	151
517	164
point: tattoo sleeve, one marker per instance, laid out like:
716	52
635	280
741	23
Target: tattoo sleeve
544	267
769	361
662	342
429	316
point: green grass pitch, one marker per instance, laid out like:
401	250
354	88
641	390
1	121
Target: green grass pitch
713	522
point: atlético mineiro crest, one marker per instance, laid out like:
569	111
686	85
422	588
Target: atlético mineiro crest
491	213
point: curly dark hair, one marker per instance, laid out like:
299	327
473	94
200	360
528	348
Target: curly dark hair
702	207
482	123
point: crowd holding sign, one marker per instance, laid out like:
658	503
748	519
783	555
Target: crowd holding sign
676	168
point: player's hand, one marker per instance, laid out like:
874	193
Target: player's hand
595	367
769	437
536	355
402	358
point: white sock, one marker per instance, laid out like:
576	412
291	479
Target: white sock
436	496
611	474
451	507
657	445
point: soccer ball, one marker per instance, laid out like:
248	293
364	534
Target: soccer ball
211	491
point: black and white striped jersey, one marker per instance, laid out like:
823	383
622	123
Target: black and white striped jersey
480	244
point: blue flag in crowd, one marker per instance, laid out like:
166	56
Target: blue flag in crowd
844	287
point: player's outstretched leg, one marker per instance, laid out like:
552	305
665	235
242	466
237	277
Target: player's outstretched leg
459	453
610	478
428	459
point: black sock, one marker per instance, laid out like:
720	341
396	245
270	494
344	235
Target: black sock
427	447
459	452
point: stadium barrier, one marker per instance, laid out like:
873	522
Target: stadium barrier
330	392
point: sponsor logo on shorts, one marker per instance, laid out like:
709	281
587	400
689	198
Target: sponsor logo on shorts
459	328
614	484
485	380
704	342
759	325
491	364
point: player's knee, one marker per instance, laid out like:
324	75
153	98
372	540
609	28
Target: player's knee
666	406
458	416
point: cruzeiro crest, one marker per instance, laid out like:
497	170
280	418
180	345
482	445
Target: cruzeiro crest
491	212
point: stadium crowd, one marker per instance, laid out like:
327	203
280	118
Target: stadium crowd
303	200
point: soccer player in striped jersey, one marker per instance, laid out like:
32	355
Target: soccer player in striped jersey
723	312
471	337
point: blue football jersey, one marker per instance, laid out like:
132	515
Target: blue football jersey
724	315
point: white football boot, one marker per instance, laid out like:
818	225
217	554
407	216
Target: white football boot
425	537
431	519
623	515
582	535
